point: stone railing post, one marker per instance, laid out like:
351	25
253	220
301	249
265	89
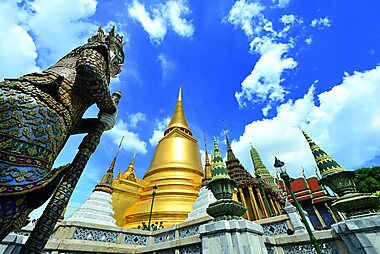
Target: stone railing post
361	235
298	226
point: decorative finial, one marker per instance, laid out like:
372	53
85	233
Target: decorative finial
180	94
204	139
303	172
316	173
230	153
207	168
225	133
178	118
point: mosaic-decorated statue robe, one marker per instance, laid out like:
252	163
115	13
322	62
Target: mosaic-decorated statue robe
39	111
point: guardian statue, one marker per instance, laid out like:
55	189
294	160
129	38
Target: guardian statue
38	113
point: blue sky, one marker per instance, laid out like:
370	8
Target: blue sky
267	68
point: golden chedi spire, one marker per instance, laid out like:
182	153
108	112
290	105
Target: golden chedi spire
119	175
178	119
127	190
177	172
130	174
105	184
207	167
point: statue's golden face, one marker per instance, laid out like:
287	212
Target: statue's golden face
116	61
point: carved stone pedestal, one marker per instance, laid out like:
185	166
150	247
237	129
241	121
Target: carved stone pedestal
232	237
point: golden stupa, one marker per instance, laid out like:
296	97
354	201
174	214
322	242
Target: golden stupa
175	170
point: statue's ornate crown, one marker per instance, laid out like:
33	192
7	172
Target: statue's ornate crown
111	39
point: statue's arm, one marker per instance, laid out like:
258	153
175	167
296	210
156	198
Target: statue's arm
86	125
91	71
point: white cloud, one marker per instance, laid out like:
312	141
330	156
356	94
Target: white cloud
345	124
135	118
266	109
58	27
17	49
173	11
321	23
132	142
161	17
263	84
288	19
32	27
158	133
309	40
166	66
154	26
282	3
242	14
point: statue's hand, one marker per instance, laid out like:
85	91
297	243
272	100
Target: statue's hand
108	120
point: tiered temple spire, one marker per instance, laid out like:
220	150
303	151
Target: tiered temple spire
98	208
105	184
325	163
341	181
261	170
208	167
248	189
230	153
235	169
222	186
219	170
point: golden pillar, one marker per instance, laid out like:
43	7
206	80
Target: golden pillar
247	213
319	216
266	214
279	208
255	205
274	208
332	212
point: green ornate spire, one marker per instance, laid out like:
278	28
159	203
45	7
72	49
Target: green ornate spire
219	170
351	202
261	170
258	164
325	163
222	186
